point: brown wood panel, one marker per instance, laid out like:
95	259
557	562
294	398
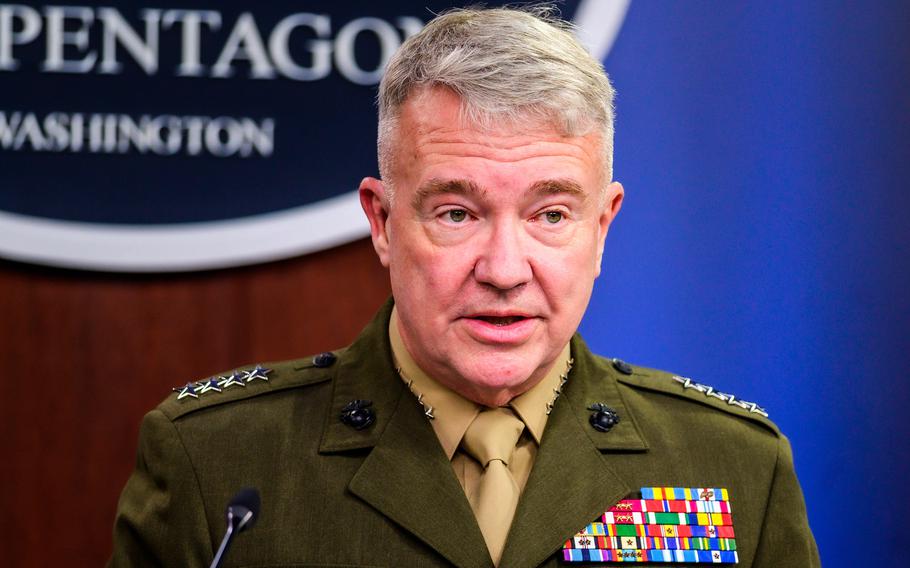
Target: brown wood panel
84	355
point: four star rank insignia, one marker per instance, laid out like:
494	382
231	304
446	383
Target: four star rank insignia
219	384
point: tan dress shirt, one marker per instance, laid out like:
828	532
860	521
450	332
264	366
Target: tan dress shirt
452	413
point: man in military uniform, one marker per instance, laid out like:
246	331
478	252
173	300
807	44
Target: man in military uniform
469	425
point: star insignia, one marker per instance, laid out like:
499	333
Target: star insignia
212	384
258	372
235	378
186	390
707	390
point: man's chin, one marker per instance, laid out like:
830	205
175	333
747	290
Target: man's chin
495	386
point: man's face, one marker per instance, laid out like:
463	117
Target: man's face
493	241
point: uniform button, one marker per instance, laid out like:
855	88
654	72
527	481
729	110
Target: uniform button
357	414
622	366
604	418
326	359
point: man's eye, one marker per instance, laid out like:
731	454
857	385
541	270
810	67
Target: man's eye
553	217
458	215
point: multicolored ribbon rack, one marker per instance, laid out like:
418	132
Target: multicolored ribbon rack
667	524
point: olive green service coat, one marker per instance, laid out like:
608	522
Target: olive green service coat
387	495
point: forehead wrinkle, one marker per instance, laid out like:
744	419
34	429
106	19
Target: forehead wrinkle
438	186
506	149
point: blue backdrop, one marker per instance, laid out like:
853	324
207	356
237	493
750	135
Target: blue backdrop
764	244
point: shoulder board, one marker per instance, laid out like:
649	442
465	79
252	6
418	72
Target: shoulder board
684	387
248	382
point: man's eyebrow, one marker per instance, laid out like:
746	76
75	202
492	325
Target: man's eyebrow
467	187
438	187
557	187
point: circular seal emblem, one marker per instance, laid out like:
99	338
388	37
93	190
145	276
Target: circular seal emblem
160	139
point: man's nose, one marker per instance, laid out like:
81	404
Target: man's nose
503	261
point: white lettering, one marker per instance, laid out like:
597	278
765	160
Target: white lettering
223	136
320	49
164	135
131	134
8	128
261	137
300	46
58	39
95	133
191	20
109	134
55	126
344	49
245	42
155	141
31	27
77	131
117	30
194	126
30	131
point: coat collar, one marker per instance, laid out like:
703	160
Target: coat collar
596	381
364	371
408	478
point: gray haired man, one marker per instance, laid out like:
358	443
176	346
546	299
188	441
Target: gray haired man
469	425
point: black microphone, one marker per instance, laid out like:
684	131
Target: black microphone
242	512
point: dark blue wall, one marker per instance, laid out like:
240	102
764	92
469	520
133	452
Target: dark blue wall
764	244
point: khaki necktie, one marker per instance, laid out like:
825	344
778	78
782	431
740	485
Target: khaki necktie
491	439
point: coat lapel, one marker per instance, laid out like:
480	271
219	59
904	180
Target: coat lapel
571	483
406	476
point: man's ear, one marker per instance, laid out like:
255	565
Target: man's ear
375	205
612	205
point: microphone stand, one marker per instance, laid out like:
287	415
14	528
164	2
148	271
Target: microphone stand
233	522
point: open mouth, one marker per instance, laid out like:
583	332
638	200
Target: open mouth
501	321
